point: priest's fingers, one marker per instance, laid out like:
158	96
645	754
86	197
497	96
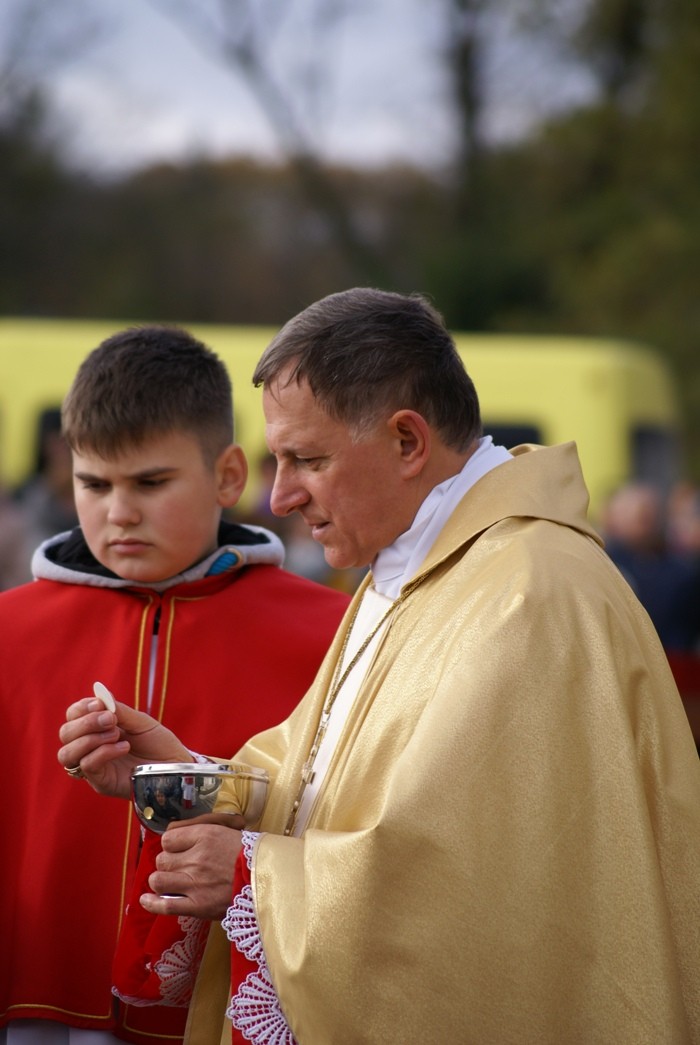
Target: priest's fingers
147	740
177	894
150	741
82	707
197	862
85	719
88	726
207	848
91	740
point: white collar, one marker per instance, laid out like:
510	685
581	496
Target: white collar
395	565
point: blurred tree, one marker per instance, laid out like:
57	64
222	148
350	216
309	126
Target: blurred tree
616	38
240	35
475	267
231	241
606	216
40	197
31	179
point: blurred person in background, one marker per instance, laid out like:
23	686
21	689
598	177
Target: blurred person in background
683	515
262	482
47	494
15	544
665	580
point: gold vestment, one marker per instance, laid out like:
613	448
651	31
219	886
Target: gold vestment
506	847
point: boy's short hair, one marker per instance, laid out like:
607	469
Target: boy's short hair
146	381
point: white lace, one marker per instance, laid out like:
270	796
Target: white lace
255	1010
249	840
241	926
177	967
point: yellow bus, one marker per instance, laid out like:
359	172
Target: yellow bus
615	399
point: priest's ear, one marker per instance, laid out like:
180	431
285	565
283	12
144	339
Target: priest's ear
413	440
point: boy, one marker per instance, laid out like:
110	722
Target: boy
176	612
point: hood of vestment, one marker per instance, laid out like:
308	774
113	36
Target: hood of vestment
539	483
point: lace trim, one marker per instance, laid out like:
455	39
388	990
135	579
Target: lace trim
177	968
255	1010
241	926
248	841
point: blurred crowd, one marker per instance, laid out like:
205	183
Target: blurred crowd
41	506
655	542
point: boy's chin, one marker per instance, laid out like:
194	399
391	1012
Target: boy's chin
134	577
143	574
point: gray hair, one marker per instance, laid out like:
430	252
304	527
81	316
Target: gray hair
366	353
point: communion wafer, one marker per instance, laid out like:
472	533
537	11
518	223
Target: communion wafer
103	694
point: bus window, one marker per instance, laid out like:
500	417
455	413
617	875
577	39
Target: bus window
514	434
655	455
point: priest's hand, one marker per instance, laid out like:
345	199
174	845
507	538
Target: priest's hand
104	747
195	869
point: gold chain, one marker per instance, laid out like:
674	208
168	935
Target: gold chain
308	773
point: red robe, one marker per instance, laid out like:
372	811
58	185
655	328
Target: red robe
235	653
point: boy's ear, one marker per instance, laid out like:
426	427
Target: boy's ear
231	475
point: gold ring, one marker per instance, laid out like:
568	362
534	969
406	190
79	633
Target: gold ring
75	772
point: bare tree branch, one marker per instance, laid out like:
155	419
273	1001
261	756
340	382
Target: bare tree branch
241	41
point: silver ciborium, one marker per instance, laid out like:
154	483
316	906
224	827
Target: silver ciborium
168	791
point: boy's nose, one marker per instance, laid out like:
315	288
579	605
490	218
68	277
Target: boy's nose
122	511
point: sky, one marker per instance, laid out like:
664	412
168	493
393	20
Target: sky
138	87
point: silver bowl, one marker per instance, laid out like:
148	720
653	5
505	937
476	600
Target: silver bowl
168	791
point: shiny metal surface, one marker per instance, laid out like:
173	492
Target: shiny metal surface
168	791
